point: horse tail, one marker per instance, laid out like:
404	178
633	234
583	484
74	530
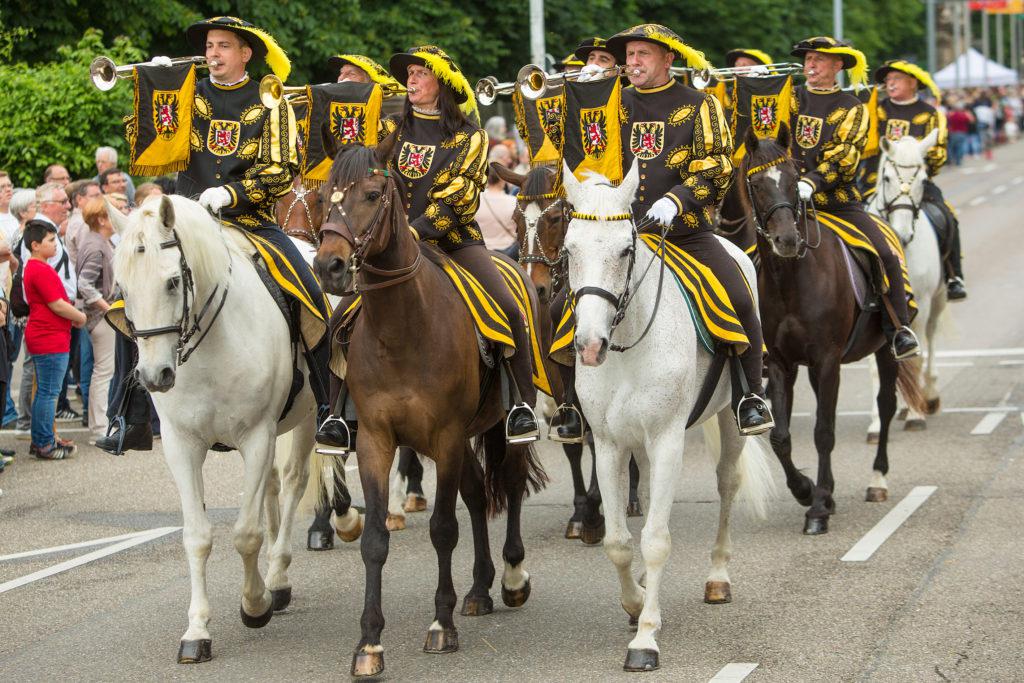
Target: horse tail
507	466
753	467
908	382
317	495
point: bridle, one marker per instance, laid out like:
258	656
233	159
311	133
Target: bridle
891	206
531	237
301	192
182	328
361	243
799	209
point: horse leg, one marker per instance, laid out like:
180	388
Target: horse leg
185	460
878	490
376	454
478	600
409	462
320	535
574	454
718	588
633	507
396	497
780	390
347	520
825	381
593	520
514	478
875	422
295	474
258	455
611	470
931	377
444	535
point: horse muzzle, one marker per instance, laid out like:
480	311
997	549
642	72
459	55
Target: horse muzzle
334	273
157	379
593	351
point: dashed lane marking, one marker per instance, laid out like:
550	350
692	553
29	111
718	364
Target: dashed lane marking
73	546
87	558
965	409
988	423
981	353
999	189
977	200
873	540
733	673
1018	180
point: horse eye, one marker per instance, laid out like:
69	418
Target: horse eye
372	196
173	283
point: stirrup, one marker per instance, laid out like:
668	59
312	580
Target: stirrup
529	437
553	428
917	344
335	450
768	424
117	427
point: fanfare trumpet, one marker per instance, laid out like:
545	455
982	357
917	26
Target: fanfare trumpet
104	72
730	73
533	82
272	90
487	89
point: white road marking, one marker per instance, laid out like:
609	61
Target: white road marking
733	673
966	409
74	546
938	364
988	167
977	200
873	540
981	353
1018	180
1011	362
85	559
999	189
970	171
988	423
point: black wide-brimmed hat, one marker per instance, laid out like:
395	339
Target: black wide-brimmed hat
262	43
441	65
924	78
659	35
758	56
853	59
377	73
587	46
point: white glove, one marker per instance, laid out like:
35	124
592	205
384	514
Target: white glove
663	211
591	72
215	198
805	189
161	60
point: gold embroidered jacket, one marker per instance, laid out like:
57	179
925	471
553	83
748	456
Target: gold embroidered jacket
917	119
680	138
829	133
241	145
440	180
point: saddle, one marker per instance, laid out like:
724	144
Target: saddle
942	222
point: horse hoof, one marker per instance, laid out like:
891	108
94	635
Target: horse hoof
395	522
592	535
876	495
902	414
641	660
441	641
320	540
257	621
573	529
366	664
477	605
717	592
815	526
281	598
516	597
931	406
195	651
414	503
916	425
633	509
872	438
352	534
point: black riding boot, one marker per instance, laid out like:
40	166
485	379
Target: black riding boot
337	434
955	289
902	339
130	429
753	416
521	422
567	422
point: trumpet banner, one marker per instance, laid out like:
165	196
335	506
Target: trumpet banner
541	124
761	103
593	128
160	126
348	112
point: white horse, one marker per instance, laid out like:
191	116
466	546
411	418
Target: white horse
638	401
192	294
902	171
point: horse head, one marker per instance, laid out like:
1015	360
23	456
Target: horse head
902	171
770	175
300	212
359	196
541	222
171	261
600	247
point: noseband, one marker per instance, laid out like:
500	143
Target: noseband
891	206
762	218
532	236
361	243
184	331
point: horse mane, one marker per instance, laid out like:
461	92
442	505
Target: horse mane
350	165
539	180
202	240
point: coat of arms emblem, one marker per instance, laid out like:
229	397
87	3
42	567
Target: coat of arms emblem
347	122
647	139
896	128
808	131
764	115
165	113
414	160
549	112
223	137
594	132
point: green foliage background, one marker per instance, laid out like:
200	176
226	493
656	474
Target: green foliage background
49	110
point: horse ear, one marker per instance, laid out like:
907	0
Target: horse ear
330	143
929	141
783	137
750	140
507	174
166	212
627	188
386	147
569	182
117	219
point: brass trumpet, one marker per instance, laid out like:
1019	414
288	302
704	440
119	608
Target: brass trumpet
487	89
730	73
533	82
104	72
272	90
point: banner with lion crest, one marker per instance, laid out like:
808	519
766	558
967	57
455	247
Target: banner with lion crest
761	103
593	128
348	112
159	128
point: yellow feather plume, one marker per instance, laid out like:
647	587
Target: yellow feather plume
692	57
763	57
859	70
277	60
455	79
918	73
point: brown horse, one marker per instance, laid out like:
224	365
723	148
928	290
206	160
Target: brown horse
809	313
415	374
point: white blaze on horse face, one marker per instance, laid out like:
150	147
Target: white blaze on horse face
531	216
774	174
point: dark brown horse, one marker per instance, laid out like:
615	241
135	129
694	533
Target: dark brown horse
809	312
416	377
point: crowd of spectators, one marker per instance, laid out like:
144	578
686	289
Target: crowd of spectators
980	118
56	282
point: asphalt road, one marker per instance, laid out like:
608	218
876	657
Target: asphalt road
941	599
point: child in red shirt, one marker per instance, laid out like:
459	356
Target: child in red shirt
47	335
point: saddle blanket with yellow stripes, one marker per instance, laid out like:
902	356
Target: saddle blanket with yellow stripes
490	320
714	317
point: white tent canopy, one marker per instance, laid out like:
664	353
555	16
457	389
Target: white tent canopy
974	71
